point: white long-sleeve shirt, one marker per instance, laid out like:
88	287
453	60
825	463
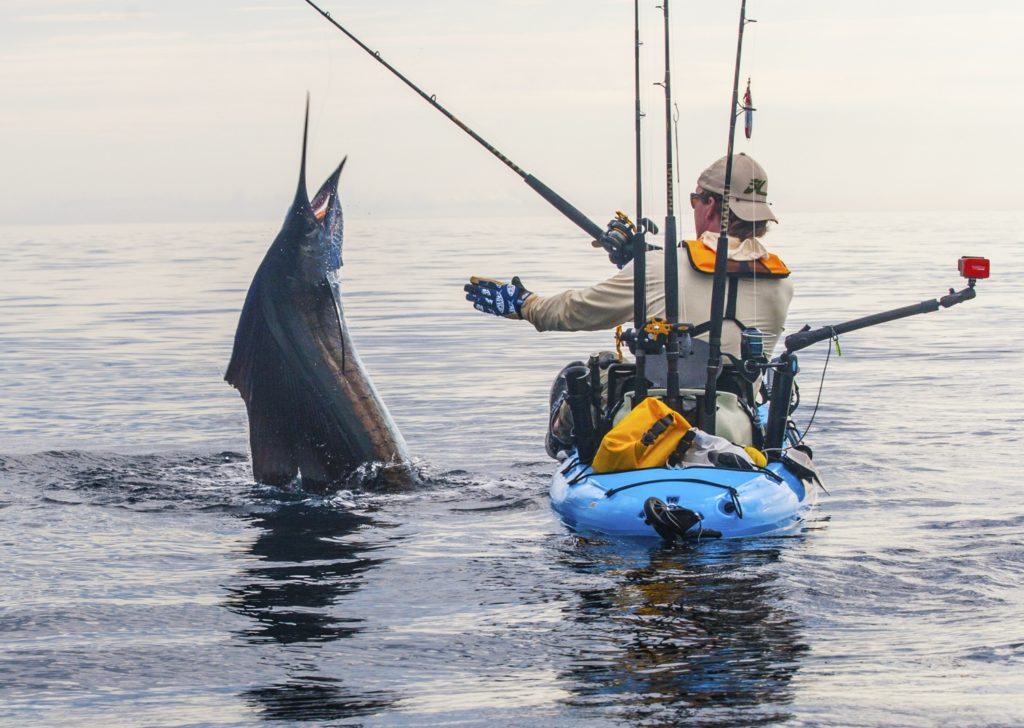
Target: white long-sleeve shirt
761	302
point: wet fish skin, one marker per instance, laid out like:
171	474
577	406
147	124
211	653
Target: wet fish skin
312	407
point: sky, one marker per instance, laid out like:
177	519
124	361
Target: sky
191	111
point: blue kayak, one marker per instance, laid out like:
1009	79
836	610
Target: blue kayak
721	502
726	496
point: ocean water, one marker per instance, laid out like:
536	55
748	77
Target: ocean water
147	581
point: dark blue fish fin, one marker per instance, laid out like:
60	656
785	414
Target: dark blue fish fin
258	371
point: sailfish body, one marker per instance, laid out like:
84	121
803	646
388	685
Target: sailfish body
312	407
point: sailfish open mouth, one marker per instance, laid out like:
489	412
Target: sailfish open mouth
326	210
321	212
321	204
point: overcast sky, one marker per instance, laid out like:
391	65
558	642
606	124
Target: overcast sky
138	110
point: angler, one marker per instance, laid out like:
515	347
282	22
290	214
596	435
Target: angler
759	291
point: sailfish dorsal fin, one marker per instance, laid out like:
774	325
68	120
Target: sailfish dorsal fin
301	194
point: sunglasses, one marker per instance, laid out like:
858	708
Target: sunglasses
696	197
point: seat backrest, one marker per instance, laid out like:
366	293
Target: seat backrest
693	363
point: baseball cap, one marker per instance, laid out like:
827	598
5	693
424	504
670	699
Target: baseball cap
748	198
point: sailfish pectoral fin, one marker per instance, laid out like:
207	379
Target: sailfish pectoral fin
332	285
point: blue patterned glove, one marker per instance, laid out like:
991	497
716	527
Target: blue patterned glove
497	297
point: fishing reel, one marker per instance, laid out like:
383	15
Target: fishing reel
752	361
618	238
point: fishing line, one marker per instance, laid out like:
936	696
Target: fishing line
675	131
318	118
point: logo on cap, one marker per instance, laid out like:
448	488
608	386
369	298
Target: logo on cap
757	186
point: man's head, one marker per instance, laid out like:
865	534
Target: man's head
749	212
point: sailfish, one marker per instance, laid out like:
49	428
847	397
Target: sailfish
312	408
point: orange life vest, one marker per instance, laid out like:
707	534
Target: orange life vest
702	258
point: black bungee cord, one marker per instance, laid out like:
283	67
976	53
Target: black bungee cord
821	386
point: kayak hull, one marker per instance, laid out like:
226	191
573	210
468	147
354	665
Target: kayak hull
730	503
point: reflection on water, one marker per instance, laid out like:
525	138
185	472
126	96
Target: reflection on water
315	699
310	557
697	635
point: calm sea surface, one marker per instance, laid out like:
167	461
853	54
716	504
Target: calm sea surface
146	581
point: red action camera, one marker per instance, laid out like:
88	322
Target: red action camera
973	267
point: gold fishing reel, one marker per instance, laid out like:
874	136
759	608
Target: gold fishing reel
624	218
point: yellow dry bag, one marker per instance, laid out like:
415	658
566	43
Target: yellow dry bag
644	439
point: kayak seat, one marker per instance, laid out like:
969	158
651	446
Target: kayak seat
692	371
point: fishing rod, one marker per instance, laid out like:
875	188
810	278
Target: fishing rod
559	203
671	251
640	246
722	249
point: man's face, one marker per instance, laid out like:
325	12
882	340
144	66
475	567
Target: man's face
705	211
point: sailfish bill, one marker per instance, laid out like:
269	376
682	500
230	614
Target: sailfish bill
312	407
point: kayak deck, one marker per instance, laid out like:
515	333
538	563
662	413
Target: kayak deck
731	503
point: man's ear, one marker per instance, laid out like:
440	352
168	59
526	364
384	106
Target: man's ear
712	216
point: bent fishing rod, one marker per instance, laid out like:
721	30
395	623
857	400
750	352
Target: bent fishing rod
559	202
722	249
